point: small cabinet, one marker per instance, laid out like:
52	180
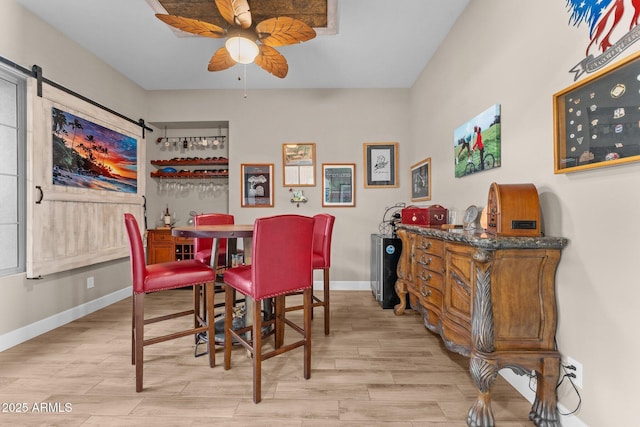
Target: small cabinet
163	247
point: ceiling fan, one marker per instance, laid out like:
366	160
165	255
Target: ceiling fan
247	42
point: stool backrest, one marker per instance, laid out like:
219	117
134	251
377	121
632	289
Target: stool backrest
136	252
281	257
322	231
210	219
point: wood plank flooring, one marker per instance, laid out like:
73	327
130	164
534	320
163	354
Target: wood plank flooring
375	369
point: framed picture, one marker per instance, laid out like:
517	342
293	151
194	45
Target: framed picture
299	165
257	185
339	185
421	181
89	155
477	143
597	120
381	164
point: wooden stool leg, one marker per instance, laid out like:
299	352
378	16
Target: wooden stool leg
327	317
133	330
307	310
228	322
278	323
209	293
196	308
257	351
138	301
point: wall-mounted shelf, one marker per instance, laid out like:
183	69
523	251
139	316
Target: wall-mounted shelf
192	161
192	173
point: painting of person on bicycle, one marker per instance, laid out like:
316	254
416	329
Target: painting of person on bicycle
480	139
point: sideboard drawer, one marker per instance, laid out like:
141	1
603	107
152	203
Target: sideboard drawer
430	246
430	297
429	261
425	276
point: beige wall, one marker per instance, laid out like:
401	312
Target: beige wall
338	121
518	54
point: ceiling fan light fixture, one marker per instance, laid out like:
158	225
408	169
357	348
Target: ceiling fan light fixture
242	49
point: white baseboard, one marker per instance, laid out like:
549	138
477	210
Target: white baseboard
25	333
521	384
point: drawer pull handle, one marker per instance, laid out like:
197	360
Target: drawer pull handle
427	278
425	262
427	246
424	293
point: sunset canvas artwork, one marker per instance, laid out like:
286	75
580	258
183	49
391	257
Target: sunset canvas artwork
88	155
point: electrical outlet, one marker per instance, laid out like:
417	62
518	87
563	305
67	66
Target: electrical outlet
578	371
90	282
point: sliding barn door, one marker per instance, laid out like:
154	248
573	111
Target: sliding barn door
85	169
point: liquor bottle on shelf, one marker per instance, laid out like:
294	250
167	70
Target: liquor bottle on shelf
167	217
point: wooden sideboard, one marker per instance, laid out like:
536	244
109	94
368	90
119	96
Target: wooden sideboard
163	247
490	298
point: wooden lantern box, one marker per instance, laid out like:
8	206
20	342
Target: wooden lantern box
513	210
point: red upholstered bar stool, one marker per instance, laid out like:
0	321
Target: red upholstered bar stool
281	265
202	247
161	277
322	232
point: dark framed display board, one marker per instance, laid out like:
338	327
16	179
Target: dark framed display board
256	185
421	181
597	120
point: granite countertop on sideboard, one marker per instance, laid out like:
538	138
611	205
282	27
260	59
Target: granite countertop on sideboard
484	240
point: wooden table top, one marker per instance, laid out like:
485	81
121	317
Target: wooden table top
214	231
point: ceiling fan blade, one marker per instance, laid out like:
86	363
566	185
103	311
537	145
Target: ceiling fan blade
283	31
221	60
235	12
272	61
193	26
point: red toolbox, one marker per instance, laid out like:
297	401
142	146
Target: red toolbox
430	215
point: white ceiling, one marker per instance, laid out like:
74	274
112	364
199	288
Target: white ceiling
379	44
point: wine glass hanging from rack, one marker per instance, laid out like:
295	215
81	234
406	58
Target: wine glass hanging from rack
193	142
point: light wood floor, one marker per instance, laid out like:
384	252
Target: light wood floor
375	369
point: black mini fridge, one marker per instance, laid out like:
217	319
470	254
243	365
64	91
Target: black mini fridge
385	253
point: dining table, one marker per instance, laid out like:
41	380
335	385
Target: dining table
231	232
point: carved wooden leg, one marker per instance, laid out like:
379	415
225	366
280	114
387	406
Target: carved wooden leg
484	374
401	291
483	368
544	412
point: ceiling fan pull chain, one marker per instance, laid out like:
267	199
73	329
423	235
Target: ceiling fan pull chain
244	80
